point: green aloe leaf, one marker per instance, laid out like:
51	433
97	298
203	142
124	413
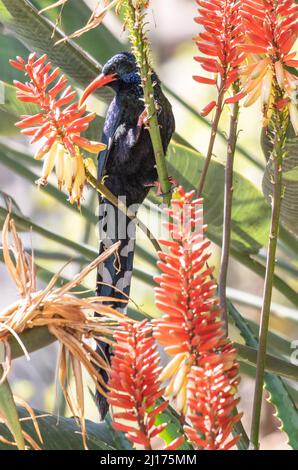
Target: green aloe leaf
10	48
13	107
33	340
9	414
64	433
273	364
250	216
279	396
24	223
7	202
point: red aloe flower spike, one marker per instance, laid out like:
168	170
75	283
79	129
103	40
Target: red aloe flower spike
270	32
134	385
58	125
212	388
220	41
191	331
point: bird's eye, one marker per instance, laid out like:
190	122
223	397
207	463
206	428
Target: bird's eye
112	69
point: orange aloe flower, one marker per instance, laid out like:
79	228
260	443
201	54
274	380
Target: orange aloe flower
219	43
135	387
212	388
270	33
58	126
203	372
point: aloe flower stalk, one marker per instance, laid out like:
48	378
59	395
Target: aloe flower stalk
66	316
58	125
203	371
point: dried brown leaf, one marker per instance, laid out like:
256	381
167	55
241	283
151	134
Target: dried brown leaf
54	5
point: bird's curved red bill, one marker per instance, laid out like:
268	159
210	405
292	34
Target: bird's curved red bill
99	82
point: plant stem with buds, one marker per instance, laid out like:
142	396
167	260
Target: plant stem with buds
134	17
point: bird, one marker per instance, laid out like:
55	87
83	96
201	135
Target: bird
128	168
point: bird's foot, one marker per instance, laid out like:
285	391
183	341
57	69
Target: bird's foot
157	185
144	119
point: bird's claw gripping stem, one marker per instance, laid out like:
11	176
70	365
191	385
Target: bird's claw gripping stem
157	185
144	119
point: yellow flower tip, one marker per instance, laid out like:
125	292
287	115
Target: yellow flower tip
279	72
71	199
59	165
181	400
180	378
41	182
40	153
259	69
95	147
90	167
267	87
49	161
172	367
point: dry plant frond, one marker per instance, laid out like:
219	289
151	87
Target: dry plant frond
54	5
72	320
95	19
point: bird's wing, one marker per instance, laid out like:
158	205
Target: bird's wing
112	122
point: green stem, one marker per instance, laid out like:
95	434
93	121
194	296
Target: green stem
227	219
279	127
214	128
139	41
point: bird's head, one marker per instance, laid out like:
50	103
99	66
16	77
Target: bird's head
119	70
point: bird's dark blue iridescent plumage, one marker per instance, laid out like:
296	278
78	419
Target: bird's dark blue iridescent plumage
128	165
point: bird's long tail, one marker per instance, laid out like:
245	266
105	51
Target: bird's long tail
114	275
